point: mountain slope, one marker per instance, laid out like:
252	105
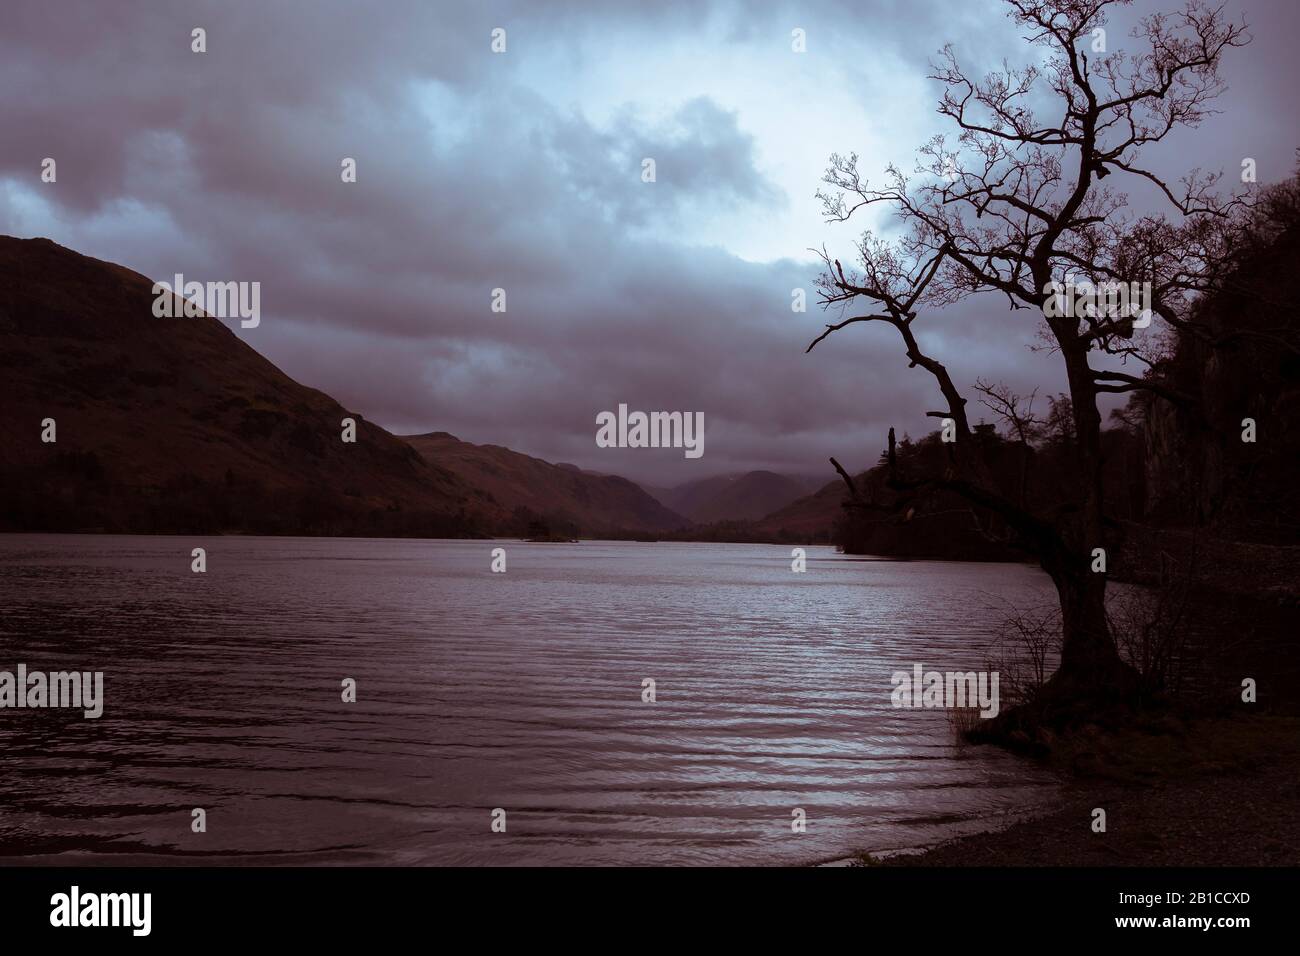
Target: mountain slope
686	498
563	498
811	517
749	497
746	497
175	424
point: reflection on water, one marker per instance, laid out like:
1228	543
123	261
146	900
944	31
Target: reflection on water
478	690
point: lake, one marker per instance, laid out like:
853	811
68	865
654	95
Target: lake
476	691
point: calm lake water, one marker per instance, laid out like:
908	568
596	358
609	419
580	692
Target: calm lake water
477	691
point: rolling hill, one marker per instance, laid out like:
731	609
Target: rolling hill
562	498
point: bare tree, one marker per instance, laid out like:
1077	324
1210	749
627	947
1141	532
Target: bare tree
1018	208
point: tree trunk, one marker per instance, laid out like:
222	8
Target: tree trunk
1090	662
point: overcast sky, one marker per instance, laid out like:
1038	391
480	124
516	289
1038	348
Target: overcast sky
522	171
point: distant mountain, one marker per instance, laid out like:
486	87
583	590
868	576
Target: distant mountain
176	425
811	517
561	498
745	497
687	497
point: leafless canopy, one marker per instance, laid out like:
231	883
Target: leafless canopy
1018	201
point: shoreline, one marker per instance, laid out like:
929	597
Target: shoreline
1214	796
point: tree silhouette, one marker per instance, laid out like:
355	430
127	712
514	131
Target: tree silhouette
1017	204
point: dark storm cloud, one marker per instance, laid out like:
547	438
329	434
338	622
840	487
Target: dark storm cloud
479	171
